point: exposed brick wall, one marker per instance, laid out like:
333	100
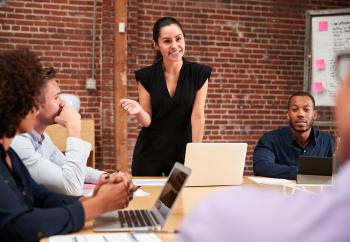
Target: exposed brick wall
61	32
106	113
255	47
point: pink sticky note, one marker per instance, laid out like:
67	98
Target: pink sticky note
323	26
320	64
318	87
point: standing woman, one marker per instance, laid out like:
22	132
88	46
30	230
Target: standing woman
172	94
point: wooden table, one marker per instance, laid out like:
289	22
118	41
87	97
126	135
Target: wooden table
189	197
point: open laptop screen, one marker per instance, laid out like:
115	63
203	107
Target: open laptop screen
312	165
171	191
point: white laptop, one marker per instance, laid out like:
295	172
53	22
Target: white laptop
147	219
215	164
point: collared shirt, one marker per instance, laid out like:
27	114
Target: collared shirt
50	167
28	211
277	152
257	215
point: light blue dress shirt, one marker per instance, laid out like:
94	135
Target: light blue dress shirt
64	173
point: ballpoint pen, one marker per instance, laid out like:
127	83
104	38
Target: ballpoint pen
105	239
133	237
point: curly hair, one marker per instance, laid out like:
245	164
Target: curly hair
21	79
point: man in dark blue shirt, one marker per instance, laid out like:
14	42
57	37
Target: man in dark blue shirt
277	152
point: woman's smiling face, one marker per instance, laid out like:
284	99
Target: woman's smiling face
171	43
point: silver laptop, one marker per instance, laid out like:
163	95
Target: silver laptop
315	170
147	219
215	164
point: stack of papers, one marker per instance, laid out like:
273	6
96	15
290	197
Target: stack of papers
122	237
270	181
141	193
149	182
89	189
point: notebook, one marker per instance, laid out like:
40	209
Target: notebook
314	170
215	164
150	219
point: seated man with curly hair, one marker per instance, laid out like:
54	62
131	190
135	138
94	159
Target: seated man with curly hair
64	173
28	211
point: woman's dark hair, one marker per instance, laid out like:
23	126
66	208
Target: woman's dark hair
21	79
157	27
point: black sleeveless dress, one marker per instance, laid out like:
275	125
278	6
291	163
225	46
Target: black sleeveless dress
163	143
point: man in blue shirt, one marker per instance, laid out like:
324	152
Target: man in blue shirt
249	214
277	152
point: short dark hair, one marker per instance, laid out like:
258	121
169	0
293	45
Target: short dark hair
158	25
21	79
49	73
301	94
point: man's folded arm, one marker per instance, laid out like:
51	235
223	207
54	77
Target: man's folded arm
264	163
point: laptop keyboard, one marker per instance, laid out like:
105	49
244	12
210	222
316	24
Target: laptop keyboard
136	218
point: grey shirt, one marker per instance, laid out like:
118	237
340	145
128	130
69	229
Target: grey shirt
64	173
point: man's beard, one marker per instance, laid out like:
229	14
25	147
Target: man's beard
308	126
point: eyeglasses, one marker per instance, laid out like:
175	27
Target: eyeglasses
343	65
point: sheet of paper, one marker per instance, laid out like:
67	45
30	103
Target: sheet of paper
320	64
126	237
323	26
88	189
88	192
139	193
269	181
149	182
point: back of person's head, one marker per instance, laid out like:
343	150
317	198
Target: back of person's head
301	94
21	79
157	27
342	109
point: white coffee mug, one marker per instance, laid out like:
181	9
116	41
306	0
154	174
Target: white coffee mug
71	100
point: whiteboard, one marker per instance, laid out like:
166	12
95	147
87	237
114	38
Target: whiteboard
330	35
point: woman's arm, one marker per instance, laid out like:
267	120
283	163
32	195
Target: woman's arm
197	117
142	110
144	117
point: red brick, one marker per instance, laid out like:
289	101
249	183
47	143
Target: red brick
256	51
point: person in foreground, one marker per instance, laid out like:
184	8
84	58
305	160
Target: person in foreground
256	215
64	173
277	152
28	211
172	94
